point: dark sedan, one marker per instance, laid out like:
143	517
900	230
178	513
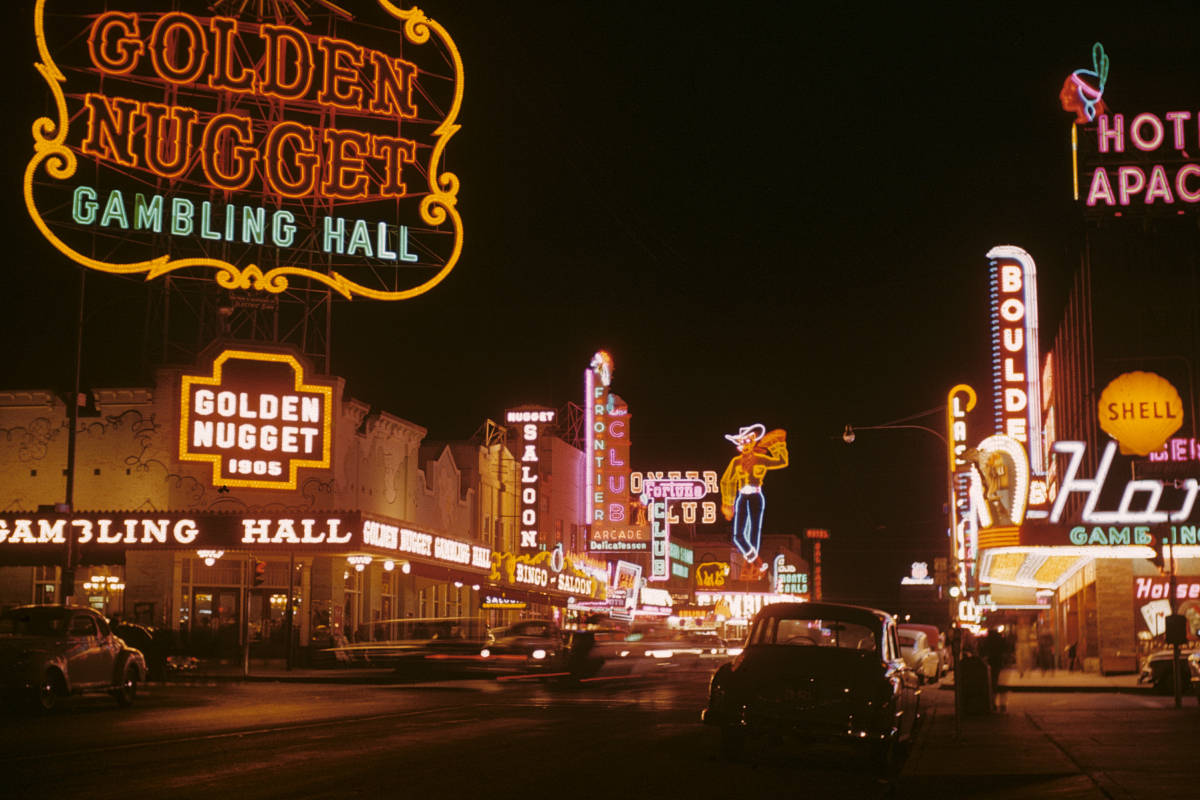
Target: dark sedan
532	645
817	671
48	652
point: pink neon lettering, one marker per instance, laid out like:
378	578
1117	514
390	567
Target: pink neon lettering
1177	118
1160	187
1135	132
1131	180
1116	135
1181	189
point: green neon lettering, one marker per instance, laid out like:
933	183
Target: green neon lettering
83	205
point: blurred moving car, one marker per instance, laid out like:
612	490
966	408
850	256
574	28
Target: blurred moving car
1156	670
528	645
817	671
915	650
49	652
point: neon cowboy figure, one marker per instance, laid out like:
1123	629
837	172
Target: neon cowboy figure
742	497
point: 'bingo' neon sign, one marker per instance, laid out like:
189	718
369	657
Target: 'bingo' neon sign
210	142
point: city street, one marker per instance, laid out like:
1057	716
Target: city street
638	737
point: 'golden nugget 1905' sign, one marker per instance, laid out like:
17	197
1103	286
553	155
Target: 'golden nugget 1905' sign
298	141
255	419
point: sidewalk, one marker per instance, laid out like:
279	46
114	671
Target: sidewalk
1063	681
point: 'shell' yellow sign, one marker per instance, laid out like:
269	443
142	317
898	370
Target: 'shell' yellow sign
1140	410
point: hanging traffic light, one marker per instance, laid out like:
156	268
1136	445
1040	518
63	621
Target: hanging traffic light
259	569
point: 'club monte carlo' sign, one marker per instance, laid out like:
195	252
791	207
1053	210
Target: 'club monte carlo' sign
255	419
304	142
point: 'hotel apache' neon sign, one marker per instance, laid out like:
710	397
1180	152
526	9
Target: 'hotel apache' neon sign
255	420
233	136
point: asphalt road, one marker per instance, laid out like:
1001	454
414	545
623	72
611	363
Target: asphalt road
481	738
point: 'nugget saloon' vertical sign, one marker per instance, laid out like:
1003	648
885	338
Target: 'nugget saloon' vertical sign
301	140
255	419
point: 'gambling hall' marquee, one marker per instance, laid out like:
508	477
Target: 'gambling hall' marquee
201	135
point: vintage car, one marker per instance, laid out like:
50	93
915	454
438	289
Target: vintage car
1156	670
531	645
49	652
817	671
936	640
915	650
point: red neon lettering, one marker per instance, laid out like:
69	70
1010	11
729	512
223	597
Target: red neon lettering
166	45
215	142
115	55
300	141
168	138
224	29
286	46
343	62
345	175
110	128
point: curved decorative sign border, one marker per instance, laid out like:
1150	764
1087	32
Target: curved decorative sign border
50	149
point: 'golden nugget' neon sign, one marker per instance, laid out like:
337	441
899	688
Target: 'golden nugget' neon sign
210	109
255	420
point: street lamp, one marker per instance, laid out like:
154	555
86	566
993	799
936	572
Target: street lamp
953	408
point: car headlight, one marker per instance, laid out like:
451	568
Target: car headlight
484	653
538	654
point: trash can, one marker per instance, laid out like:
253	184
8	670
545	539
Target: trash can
975	685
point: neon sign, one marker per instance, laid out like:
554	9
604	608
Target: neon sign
742	498
999	481
255	420
230	144
1016	373
607	420
712	574
1126	513
531	424
1142	163
1178	450
1083	90
1140	410
660	538
687	511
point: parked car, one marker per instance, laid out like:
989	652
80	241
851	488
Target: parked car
529	645
49	652
1156	670
937	643
915	650
821	671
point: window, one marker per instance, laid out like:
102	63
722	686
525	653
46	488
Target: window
82	626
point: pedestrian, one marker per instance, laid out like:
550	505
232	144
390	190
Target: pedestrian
995	652
1072	652
1045	653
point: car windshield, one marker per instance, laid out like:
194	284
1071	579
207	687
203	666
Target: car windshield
813	633
33	622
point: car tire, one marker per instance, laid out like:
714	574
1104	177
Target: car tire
49	690
127	693
883	757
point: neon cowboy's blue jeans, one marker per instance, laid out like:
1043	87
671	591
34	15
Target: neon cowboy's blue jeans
747	522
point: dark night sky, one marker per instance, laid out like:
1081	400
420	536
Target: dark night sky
766	211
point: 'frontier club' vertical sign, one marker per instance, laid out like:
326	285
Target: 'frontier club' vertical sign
531	422
607	445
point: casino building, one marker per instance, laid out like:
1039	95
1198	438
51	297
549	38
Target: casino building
229	497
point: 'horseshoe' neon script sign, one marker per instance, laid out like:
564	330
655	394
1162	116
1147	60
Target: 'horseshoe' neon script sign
306	143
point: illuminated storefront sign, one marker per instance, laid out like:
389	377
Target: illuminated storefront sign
619	539
255	419
712	574
550	570
1139	500
607	420
817	535
698	509
787	578
1141	163
37	538
681	560
1016	372
496	601
1140	410
741	605
742	498
625	585
999	481
1178	451
659	495
960	401
530	423
656	602
211	139
918	575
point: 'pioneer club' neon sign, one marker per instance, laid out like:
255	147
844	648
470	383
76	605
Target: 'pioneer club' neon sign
257	148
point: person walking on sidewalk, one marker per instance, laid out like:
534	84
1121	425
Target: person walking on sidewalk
995	652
